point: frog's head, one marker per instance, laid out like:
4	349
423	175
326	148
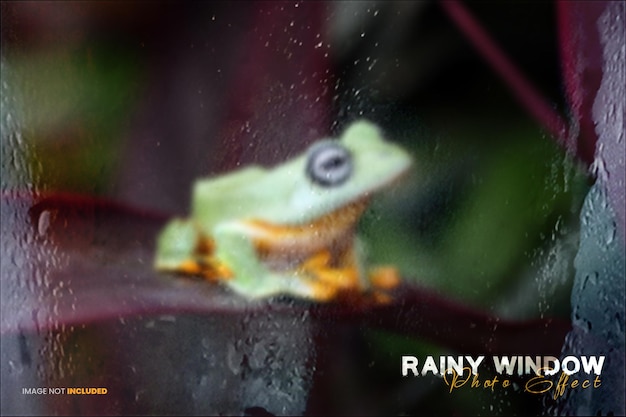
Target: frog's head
340	172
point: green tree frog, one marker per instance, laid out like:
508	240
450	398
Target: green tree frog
289	229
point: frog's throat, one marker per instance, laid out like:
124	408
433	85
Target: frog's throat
309	237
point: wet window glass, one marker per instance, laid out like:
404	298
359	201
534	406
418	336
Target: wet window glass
270	208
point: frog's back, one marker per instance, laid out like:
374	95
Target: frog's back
228	196
228	184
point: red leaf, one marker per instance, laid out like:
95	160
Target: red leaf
77	260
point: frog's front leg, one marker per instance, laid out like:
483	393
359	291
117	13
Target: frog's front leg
236	249
347	274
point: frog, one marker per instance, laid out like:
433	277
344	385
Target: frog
291	229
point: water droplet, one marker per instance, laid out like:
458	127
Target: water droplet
43	223
232	359
611	232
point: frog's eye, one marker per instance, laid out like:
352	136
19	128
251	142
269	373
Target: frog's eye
329	164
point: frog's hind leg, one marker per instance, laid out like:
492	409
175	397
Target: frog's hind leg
344	276
176	247
182	248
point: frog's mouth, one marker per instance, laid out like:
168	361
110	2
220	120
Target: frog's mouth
333	231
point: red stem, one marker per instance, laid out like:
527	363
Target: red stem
521	87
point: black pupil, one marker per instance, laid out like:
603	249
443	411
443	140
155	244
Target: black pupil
334	162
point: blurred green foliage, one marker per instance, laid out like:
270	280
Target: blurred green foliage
480	206
74	104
